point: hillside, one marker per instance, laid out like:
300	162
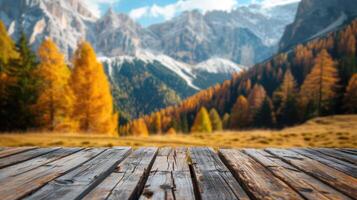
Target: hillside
290	88
333	131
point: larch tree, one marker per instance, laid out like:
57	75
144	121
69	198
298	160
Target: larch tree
240	114
215	120
139	128
350	99
319	87
55	102
202	123
93	108
256	97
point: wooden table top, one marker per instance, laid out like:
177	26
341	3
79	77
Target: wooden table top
177	173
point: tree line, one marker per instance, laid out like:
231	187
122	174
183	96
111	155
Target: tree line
43	92
318	78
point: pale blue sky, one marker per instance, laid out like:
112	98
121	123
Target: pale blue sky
148	12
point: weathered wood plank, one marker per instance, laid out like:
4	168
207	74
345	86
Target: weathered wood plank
307	186
213	179
340	165
339	155
338	180
28	182
77	183
169	177
36	162
127	180
11	151
257	179
23	156
349	151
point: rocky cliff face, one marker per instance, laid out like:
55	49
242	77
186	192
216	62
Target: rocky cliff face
315	18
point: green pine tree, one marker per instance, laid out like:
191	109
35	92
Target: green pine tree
265	118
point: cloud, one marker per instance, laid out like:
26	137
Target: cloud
94	5
272	3
171	10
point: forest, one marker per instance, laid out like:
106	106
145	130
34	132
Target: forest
45	92
318	78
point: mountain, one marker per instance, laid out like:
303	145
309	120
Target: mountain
255	98
66	22
136	78
168	61
246	35
316	18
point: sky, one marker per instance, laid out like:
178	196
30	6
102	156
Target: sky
148	12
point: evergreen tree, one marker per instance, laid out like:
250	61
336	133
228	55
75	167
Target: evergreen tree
23	93
265	118
215	120
55	102
202	123
226	121
319	87
240	114
184	124
94	103
350	100
285	100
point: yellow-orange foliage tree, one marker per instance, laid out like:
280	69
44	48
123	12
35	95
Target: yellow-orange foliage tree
139	128
319	87
240	116
55	102
8	53
93	107
202	123
351	95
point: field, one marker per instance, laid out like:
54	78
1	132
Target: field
334	131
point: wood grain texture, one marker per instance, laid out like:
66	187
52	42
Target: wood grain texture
14	150
32	180
338	164
77	183
336	179
36	162
212	177
256	178
127	180
307	186
339	155
169	177
23	156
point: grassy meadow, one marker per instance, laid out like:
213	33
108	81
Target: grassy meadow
334	131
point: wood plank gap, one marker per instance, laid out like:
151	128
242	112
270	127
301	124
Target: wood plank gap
307	186
26	183
332	177
258	181
339	155
24	156
80	181
340	165
26	166
14	150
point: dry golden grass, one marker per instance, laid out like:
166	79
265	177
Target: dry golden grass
335	131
